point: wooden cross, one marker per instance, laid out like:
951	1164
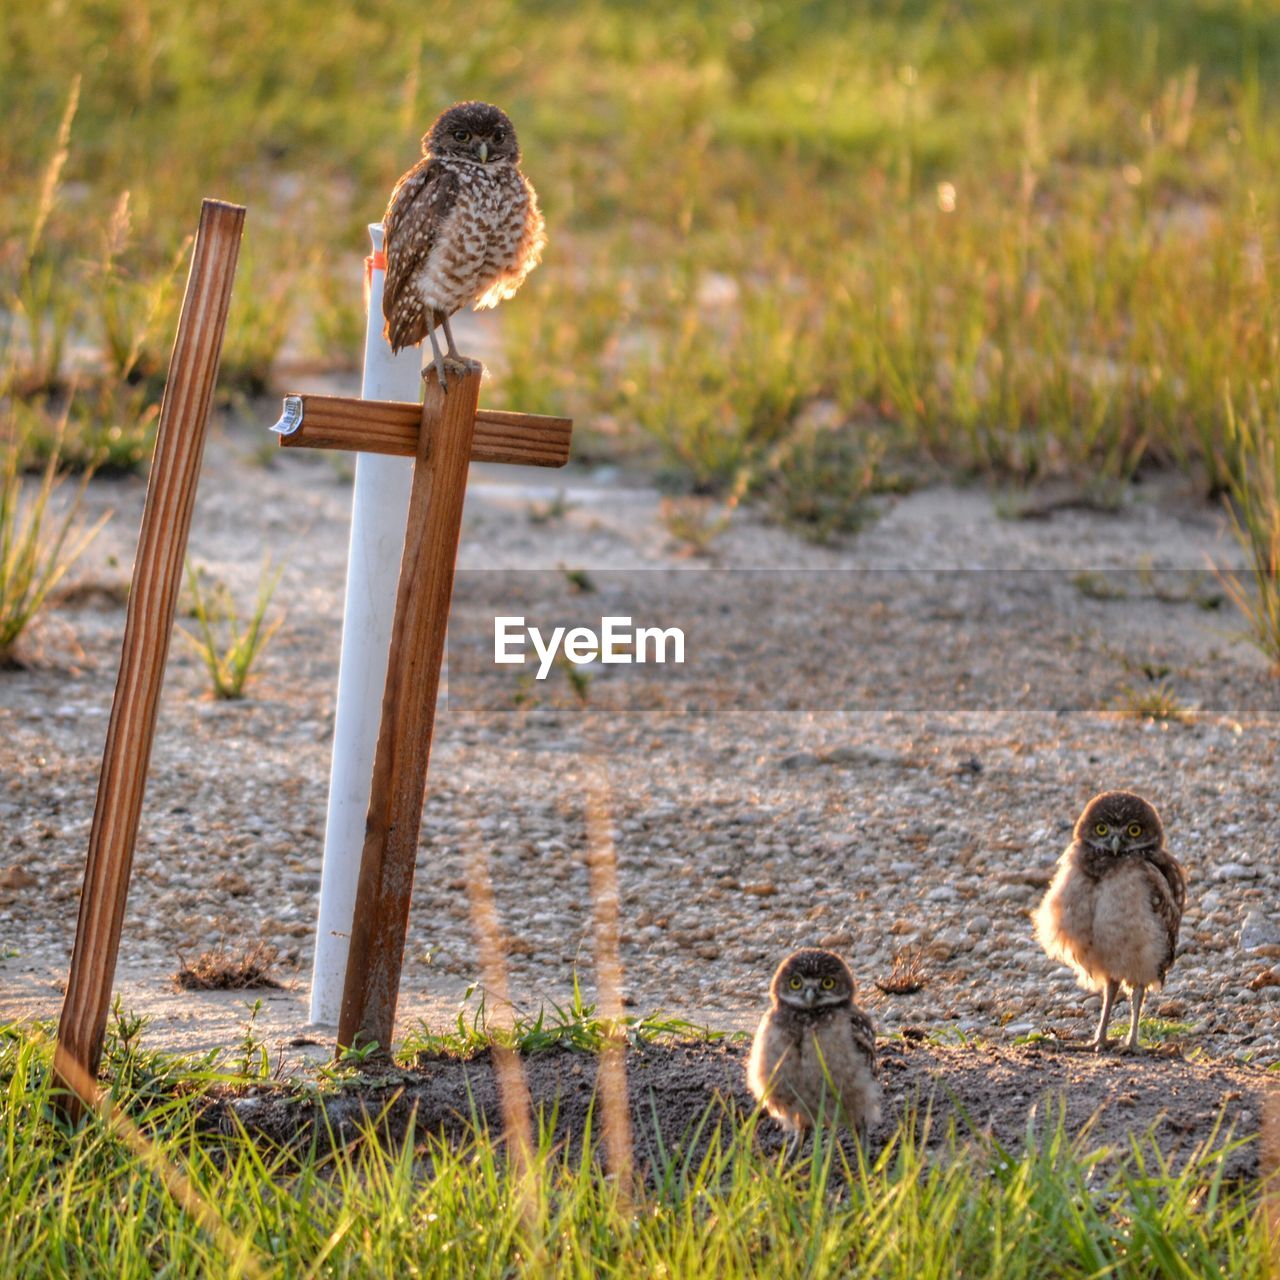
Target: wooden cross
443	435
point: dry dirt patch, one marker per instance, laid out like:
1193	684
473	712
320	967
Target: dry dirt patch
987	1090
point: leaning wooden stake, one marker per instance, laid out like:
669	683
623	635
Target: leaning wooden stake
408	712
153	594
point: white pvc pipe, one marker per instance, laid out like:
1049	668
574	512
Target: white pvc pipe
380	507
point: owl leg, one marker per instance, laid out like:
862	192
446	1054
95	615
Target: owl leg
1136	996
453	355
437	359
794	1143
448	337
1099	1041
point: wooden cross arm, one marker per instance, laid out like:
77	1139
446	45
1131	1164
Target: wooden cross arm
391	426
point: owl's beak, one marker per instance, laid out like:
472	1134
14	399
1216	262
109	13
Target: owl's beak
484	152
1115	844
810	995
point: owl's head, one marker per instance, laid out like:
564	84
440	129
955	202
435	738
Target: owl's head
812	979
473	131
1119	822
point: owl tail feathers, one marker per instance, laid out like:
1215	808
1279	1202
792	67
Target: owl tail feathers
400	334
406	321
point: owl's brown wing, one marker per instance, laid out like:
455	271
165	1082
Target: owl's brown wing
421	201
864	1034
1168	884
1174	875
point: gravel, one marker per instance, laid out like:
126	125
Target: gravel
867	760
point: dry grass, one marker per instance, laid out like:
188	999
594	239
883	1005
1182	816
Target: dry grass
907	975
229	970
38	543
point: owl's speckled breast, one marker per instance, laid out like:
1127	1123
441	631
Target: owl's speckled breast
480	241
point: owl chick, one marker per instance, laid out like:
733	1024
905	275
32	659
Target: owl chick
462	226
1115	904
815	1043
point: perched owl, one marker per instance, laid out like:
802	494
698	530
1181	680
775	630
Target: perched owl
815	1043
462	226
1115	904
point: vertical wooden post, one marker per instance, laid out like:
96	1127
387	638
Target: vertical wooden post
408	712
157	576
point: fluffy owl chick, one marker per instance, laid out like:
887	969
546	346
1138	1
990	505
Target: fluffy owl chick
1113	910
462	227
814	1052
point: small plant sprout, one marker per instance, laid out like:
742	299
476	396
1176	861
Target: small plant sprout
696	521
579	680
253	1062
37	546
819	482
552	511
227	648
580	580
1155	701
1098	586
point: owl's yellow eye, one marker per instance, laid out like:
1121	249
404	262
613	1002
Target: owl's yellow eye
796	984
1135	830
828	983
461	135
1101	828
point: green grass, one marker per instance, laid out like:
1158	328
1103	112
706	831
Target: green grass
153	1190
1025	239
1155	701
1255	518
227	647
819	481
1151	1031
1155	1030
38	543
575	1026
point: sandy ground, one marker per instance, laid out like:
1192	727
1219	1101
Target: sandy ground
876	747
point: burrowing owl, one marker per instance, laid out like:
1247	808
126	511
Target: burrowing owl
1114	907
814	1052
462	226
